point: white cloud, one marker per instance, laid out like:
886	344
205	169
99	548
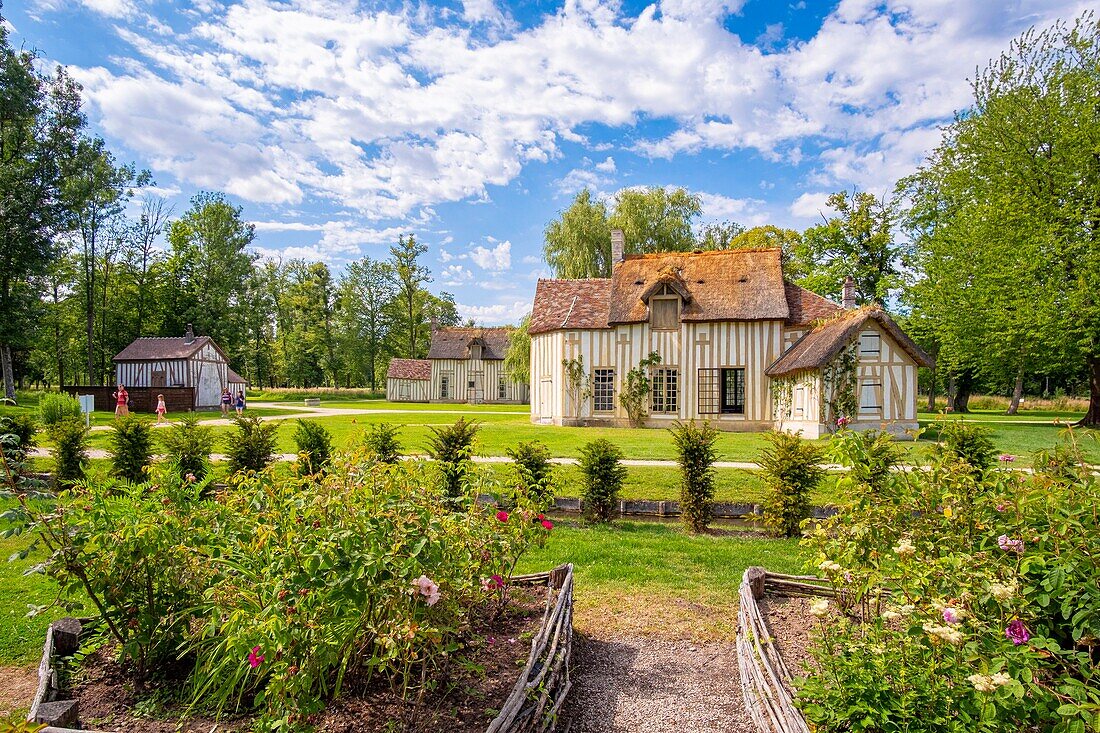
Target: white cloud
456	275
499	314
387	113
744	211
810	205
496	258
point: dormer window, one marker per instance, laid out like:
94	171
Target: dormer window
664	310
475	351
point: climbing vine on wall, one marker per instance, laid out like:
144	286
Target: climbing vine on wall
782	389
576	383
839	383
635	393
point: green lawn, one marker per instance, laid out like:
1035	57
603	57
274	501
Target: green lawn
656	578
21	638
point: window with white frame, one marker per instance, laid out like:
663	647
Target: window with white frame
603	390
664	390
722	391
502	388
445	387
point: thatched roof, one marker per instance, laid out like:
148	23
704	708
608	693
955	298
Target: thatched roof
152	348
822	344
455	343
725	285
714	286
566	304
409	369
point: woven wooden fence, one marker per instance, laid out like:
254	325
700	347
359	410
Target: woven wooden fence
765	678
540	692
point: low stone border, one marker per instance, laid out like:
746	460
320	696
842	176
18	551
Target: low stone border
50	705
654	508
765	679
540	692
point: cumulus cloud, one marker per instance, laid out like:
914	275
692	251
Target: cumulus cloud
386	113
498	314
493	258
810	205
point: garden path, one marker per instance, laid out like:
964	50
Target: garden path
633	684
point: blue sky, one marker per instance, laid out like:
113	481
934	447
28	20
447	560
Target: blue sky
472	123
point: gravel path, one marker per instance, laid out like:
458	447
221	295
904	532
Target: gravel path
658	686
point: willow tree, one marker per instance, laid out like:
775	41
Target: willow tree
1005	213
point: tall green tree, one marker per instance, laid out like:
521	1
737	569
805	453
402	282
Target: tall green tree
1006	212
858	241
656	219
408	308
95	191
40	121
210	266
365	288
719	235
578	242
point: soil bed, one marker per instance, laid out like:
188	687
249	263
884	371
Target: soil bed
477	684
791	627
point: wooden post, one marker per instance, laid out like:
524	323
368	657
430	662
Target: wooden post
756	575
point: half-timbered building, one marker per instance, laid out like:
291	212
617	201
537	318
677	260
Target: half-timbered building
467	365
188	361
735	343
408	380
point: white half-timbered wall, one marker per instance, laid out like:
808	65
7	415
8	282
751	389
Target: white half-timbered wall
752	345
475	381
205	370
888	379
407	390
886	392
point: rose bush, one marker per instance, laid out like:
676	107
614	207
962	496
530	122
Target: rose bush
970	601
279	587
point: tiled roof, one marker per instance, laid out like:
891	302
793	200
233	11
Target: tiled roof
455	343
821	345
806	306
566	304
143	349
724	285
234	378
409	369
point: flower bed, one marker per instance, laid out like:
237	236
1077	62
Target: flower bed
964	597
270	597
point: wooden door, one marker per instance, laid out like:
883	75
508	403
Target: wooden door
159	378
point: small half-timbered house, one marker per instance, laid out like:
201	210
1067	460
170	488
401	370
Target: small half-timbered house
408	380
187	361
468	366
737	346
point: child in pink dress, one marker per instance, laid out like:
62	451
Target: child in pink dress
161	409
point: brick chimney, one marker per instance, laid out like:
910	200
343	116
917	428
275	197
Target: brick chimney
849	301
189	335
435	324
618	243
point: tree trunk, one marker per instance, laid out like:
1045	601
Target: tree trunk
1092	417
1017	393
958	392
932	393
9	379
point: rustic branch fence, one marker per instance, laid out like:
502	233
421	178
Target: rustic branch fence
540	692
765	678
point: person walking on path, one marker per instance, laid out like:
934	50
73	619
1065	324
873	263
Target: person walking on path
227	400
122	402
161	409
240	402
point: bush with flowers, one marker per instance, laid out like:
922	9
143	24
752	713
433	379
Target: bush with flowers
965	601
278	588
